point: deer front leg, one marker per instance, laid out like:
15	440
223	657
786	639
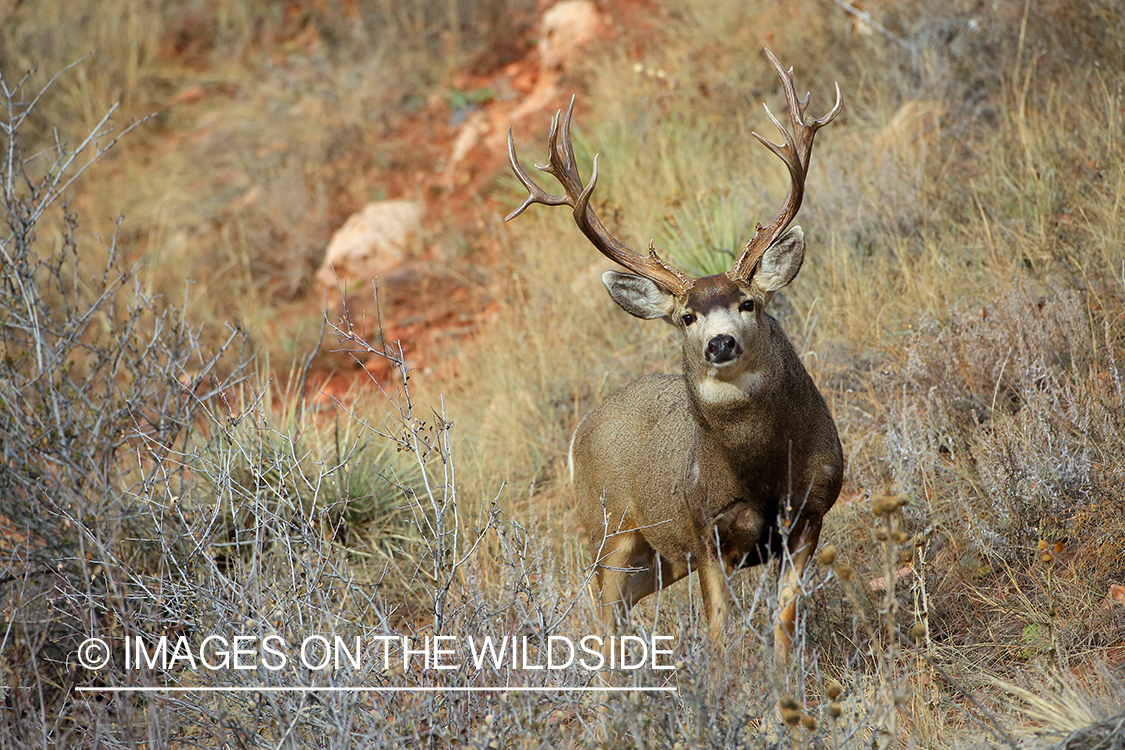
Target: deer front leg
802	543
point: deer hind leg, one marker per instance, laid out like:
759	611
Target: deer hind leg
630	572
626	573
716	595
802	543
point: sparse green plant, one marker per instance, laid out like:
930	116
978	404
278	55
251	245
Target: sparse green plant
706	233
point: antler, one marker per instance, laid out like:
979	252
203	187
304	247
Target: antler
562	167
795	152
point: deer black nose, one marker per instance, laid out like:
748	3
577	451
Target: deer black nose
722	349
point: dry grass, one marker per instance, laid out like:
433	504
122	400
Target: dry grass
961	308
275	122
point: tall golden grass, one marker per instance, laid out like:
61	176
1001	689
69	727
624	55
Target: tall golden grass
962	304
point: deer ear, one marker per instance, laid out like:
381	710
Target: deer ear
781	262
638	296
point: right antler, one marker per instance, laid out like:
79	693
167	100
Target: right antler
562	167
795	152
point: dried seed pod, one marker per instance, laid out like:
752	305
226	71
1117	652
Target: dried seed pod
1042	544
918	630
835	709
905	556
1059	546
790	710
879	505
828	555
845	571
809	723
833	689
901	537
1047	557
881	534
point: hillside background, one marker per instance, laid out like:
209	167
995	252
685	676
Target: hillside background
201	435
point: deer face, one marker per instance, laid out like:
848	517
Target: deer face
718	317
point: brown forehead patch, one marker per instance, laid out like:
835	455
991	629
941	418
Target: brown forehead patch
712	292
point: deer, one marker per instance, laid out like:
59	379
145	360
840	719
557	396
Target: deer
732	463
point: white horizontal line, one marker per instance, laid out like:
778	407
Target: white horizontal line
310	689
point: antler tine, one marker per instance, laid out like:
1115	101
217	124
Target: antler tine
795	151
535	194
562	165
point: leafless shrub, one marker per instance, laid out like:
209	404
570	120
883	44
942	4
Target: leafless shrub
1000	389
100	385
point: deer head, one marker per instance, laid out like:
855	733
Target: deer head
718	315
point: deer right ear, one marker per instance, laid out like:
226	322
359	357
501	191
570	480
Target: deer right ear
638	296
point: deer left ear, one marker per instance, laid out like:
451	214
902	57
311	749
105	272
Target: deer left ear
781	262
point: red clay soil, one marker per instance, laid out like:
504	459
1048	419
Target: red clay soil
427	308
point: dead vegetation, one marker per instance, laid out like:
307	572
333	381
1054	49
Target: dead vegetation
961	308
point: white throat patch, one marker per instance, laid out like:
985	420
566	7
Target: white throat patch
716	389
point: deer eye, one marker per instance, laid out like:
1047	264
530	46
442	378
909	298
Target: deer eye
747	305
688	318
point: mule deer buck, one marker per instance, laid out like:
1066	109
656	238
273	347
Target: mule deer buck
724	466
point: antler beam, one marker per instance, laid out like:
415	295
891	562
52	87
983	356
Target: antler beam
562	166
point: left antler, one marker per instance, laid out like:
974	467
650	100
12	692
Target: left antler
795	152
